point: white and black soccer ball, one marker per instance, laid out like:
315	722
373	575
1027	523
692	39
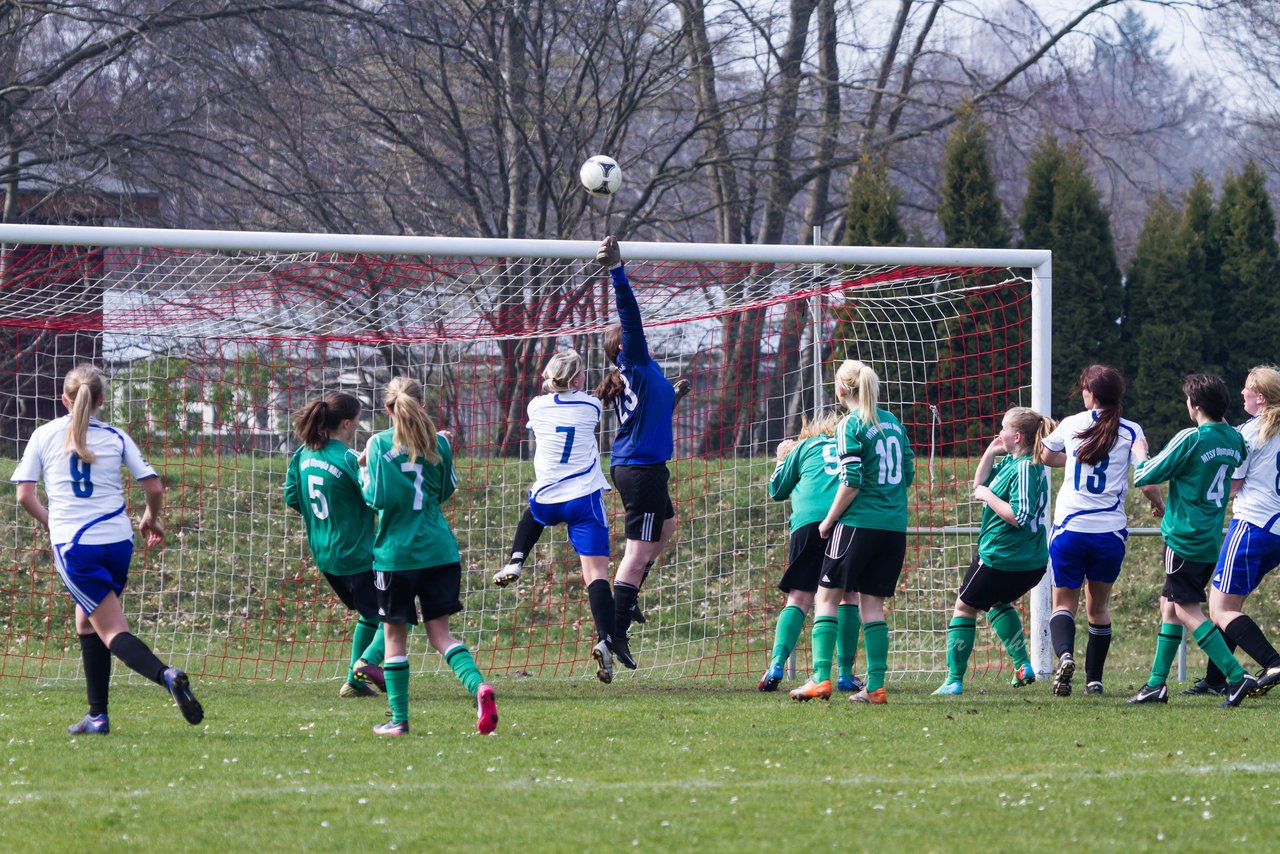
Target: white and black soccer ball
601	175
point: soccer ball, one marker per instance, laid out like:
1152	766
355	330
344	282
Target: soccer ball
601	175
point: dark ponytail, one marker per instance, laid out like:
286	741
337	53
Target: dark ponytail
1107	386
313	423
611	387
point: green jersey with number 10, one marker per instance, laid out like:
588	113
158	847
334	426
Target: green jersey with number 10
407	493
324	486
808	476
877	460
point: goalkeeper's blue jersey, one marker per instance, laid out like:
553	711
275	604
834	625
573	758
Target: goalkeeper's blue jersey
644	408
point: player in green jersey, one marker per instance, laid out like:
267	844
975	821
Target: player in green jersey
1197	463
323	485
807	473
866	529
1013	548
408	473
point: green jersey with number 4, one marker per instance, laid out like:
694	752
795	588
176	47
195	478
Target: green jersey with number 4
324	486
808	476
1020	481
1197	463
407	493
877	460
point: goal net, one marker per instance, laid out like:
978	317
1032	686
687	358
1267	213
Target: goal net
211	340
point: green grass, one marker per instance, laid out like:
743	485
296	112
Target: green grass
688	765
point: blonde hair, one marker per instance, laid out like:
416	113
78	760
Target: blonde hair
1265	380
414	431
559	374
861	389
86	387
823	425
1029	423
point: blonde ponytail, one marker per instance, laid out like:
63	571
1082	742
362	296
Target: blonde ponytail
823	425
1265	380
85	387
561	371
1033	427
414	431
858	388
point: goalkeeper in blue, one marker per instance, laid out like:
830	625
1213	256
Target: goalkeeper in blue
1012	546
866	531
79	459
1197	464
323	486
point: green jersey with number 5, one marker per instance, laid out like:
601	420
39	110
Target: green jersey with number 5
324	486
1197	463
1025	546
809	477
875	459
407	493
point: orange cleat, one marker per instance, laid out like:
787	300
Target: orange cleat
876	697
811	690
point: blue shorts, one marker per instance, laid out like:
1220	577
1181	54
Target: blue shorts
588	531
1248	554
91	572
1077	557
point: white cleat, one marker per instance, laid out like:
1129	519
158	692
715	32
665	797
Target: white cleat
508	574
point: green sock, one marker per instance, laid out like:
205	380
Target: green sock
464	667
876	634
365	633
790	624
960	636
1008	627
397	676
1167	644
824	643
1215	646
850	621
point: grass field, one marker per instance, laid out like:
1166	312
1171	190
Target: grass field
674	765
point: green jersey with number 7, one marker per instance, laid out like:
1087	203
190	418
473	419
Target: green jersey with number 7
407	493
324	486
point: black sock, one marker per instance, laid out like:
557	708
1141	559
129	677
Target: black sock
138	657
1095	654
1062	630
624	597
1245	633
1212	674
528	532
602	608
97	672
648	566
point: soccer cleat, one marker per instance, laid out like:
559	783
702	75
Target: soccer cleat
637	616
1149	694
351	689
1203	686
1094	688
486	709
508	574
371	673
950	689
1237	691
392	728
1024	675
91	725
604	662
875	698
180	689
849	684
1267	679
811	690
769	681
622	652
1062	676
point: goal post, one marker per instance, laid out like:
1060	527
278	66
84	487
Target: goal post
211	339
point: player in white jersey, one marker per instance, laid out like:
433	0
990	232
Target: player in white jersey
570	486
1251	548
79	458
1087	544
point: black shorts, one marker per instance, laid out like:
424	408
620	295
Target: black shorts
985	586
434	589
865	560
804	560
1185	580
357	592
645	498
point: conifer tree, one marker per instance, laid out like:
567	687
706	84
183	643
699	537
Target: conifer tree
1036	219
970	213
871	218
